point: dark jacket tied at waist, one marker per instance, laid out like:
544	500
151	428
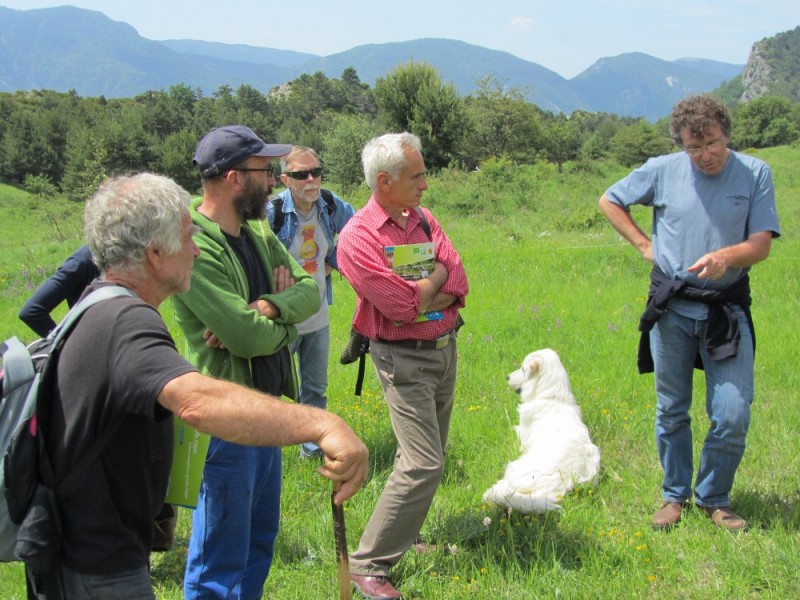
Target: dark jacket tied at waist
722	329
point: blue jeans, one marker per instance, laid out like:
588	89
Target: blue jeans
235	523
130	585
312	351
674	343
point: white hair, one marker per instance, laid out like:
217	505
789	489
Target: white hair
386	153
129	213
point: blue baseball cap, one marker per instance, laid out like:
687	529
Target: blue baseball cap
225	147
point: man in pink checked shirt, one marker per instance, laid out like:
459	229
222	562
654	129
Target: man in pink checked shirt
415	357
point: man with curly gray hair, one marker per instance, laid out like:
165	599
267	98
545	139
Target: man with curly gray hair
119	369
713	218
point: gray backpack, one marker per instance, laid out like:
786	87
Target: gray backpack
24	377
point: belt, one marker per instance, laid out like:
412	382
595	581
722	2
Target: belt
436	344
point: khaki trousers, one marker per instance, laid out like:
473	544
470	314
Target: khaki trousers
418	386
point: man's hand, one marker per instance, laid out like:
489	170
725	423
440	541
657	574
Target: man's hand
429	286
622	221
710	266
283	278
212	341
345	459
744	254
265	308
646	251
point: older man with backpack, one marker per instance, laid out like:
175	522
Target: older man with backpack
307	219
119	369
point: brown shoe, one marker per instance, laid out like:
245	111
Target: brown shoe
668	515
724	517
374	587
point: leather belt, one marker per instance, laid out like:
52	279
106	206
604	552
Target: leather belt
437	344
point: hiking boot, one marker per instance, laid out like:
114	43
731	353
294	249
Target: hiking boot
668	515
724	518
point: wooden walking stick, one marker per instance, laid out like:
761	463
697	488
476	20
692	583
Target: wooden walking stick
340	536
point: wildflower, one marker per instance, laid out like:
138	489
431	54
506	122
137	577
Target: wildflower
487	521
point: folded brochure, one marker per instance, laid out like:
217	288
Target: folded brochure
188	461
412	262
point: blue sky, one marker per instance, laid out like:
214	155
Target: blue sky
563	36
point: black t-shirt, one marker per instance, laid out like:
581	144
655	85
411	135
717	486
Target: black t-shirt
111	369
269	372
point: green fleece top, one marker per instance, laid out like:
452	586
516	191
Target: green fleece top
217	301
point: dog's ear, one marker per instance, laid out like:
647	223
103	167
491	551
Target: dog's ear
531	366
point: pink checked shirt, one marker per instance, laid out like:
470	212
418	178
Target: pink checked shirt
384	298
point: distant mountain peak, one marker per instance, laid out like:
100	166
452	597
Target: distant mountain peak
68	48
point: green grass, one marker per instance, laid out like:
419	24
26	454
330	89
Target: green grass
540	277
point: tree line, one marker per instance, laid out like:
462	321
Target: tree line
61	143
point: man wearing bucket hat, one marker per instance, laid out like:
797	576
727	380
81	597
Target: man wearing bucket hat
239	317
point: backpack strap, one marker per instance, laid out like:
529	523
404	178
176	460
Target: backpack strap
330	203
426	227
59	335
104	293
277	214
360	376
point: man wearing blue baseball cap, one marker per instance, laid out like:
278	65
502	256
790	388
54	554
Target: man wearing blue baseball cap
238	317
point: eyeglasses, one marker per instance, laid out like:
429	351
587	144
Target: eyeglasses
695	151
301	175
268	170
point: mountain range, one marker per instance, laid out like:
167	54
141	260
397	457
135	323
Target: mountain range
68	48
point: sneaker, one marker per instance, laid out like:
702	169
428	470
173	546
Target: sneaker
374	587
667	516
724	518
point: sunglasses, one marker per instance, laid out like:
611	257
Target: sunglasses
301	175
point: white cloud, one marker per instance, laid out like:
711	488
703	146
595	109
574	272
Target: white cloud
523	24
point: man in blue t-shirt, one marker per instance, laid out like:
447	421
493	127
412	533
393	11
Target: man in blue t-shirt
714	217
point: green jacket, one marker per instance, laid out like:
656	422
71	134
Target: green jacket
217	301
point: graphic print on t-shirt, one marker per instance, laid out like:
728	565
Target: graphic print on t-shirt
309	249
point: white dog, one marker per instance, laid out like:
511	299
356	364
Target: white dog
558	452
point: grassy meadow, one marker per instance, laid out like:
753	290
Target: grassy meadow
545	271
